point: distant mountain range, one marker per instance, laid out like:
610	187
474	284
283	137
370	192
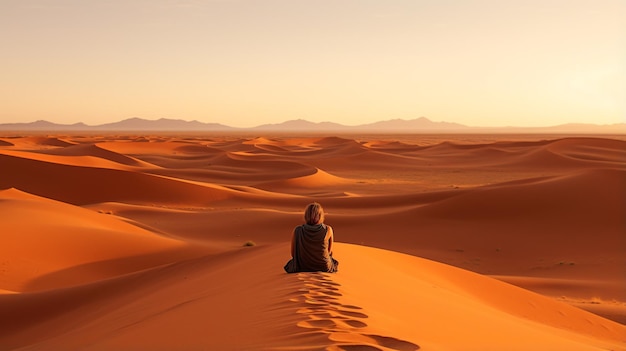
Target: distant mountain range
131	124
422	124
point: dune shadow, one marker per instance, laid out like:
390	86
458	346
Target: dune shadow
101	270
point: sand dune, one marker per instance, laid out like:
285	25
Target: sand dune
319	182
93	151
135	242
47	141
439	302
48	244
257	307
89	160
85	185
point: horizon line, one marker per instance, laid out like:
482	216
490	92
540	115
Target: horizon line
281	125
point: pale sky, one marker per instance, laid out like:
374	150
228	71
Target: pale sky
250	62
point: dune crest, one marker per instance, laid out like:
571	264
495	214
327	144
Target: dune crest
261	308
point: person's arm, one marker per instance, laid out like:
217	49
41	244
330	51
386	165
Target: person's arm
293	244
330	241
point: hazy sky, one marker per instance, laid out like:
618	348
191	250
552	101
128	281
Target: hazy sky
249	62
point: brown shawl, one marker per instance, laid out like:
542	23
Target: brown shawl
311	250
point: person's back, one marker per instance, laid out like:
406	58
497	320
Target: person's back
311	244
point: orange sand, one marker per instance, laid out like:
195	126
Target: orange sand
136	242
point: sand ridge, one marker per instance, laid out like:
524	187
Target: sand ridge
135	241
242	300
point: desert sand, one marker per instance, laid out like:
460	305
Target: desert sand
445	242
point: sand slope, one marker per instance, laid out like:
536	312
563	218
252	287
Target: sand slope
47	244
242	300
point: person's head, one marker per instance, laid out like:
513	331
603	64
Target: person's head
314	214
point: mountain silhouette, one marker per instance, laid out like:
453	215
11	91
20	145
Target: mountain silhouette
421	124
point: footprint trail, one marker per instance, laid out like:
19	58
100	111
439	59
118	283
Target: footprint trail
322	312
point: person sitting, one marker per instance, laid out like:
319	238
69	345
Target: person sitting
311	244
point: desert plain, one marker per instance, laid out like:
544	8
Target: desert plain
176	241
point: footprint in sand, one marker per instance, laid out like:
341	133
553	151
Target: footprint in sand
314	288
331	323
319	298
354	348
371	342
318	324
352	314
